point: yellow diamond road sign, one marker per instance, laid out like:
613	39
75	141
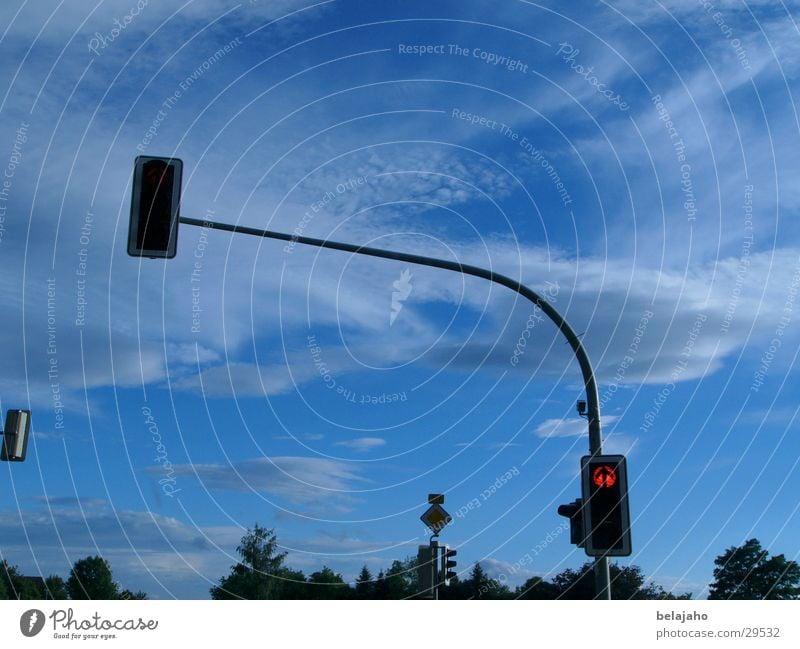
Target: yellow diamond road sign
436	518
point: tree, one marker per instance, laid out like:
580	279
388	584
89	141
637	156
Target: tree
365	587
458	589
481	586
293	584
401	579
255	576
537	588
748	572
19	586
626	583
56	588
327	584
13	585
129	594
91	578
381	586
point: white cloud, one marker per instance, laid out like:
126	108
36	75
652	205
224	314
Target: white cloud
64	19
574	427
300	480
507	573
240	380
668	10
72	528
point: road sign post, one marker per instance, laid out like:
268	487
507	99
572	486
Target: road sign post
436	518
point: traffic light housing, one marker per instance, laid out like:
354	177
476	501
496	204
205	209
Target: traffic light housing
15	436
448	564
427	556
574	512
155	207
606	516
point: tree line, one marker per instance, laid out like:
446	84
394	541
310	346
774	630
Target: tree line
89	578
744	572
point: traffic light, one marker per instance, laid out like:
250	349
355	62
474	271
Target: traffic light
448	563
15	436
155	206
574	512
606	518
427	569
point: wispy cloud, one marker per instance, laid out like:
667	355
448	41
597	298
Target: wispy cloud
300	480
363	444
573	427
83	527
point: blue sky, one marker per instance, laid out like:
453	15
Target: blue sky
635	162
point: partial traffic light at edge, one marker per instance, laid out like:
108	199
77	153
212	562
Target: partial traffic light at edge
15	436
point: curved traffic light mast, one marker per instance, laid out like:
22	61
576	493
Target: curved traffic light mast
602	576
155	208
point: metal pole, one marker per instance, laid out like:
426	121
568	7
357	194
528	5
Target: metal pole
601	572
434	546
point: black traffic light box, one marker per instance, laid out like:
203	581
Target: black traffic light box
15	436
427	570
155	207
574	512
448	563
606	516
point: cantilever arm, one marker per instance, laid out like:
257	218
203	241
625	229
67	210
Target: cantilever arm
593	401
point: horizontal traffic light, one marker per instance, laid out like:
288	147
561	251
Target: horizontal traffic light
606	516
155	207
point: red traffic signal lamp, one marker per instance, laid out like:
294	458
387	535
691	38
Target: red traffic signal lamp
606	515
155	207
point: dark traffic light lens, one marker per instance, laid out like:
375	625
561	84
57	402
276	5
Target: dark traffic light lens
158	180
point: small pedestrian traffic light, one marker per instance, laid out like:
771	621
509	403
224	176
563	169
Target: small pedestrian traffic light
606	516
574	512
15	436
155	207
448	564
